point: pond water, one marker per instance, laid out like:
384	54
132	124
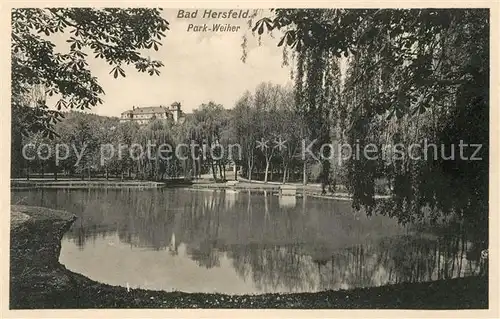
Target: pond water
240	242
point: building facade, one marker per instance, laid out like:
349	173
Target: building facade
143	115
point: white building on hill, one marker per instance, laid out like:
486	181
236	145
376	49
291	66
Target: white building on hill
143	115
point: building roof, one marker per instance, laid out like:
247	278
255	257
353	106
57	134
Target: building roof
147	110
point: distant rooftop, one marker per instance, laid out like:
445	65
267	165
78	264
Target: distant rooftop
146	110
153	109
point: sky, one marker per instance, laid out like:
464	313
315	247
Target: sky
199	67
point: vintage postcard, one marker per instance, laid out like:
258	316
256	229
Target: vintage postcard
247	156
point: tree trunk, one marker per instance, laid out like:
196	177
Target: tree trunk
250	172
55	174
304	172
221	171
325	178
89	172
193	164
284	173
267	171
199	167
250	167
184	168
107	174
213	169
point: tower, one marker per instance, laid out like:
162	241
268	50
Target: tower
176	111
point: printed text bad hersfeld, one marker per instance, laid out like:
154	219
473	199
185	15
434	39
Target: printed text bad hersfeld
213	14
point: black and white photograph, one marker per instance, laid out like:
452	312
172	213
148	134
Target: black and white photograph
249	158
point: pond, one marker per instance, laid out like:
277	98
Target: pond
241	242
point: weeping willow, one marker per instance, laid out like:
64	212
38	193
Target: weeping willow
447	102
154	161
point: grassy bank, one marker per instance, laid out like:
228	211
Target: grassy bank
38	280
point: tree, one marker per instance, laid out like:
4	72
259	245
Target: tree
289	131
210	119
80	132
30	97
267	127
228	141
106	135
245	122
124	134
153	156
266	102
114	35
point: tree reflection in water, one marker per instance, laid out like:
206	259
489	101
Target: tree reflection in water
280	244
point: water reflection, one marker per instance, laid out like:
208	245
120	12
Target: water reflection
241	242
287	201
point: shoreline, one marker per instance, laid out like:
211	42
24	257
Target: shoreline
312	190
38	281
76	183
